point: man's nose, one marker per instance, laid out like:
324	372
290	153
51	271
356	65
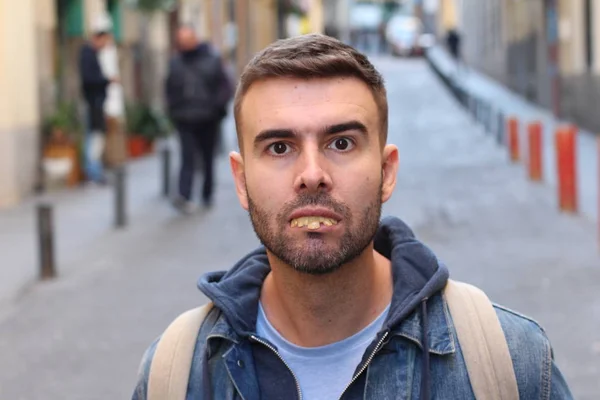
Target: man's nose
313	175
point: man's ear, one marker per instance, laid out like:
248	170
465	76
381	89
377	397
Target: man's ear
389	171
237	169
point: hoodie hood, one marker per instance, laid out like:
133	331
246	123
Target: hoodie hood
202	49
416	272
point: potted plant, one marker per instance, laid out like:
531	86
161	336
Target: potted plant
156	126
61	145
145	125
136	143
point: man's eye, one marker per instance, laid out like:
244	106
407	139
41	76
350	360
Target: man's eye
279	148
342	144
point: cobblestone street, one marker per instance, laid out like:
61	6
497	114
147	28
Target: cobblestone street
82	335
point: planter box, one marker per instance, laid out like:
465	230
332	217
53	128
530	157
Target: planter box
61	164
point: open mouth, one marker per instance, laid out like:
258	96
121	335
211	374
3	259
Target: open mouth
312	222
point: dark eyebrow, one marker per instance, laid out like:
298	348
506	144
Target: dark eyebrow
346	126
273	134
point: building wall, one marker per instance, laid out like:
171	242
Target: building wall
448	16
158	46
507	41
316	16
526	49
580	82
337	18
46	53
516	51
257	27
92	9
129	52
19	102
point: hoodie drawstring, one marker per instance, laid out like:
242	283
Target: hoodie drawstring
425	378
206	383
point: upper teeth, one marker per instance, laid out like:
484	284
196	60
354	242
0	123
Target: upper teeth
312	222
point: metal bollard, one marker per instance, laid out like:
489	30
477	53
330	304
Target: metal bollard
470	104
484	113
46	241
488	118
120	215
166	171
500	128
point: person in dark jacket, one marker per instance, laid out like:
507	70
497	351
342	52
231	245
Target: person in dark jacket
198	90
337	303
94	86
453	42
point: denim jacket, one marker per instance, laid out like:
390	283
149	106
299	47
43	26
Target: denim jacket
416	355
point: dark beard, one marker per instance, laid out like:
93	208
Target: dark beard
314	256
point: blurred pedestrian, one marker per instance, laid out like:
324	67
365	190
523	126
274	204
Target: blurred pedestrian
94	86
198	90
453	41
337	303
114	108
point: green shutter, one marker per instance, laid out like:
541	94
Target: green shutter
116	14
73	17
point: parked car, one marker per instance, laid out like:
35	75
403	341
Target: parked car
405	36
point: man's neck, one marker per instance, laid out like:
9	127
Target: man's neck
316	310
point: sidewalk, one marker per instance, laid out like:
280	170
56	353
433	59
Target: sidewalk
84	222
511	104
82	217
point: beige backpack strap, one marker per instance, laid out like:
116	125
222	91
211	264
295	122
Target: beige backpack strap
482	341
172	361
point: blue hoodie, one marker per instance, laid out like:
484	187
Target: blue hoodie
231	361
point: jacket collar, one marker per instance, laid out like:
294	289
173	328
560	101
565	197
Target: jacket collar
442	339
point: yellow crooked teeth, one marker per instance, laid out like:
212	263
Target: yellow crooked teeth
312	222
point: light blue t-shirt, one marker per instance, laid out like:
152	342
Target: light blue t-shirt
322	372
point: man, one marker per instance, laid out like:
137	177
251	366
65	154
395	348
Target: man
337	305
453	41
94	86
197	91
114	107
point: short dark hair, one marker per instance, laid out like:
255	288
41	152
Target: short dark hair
312	56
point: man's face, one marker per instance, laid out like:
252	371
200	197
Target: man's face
314	173
101	41
186	39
